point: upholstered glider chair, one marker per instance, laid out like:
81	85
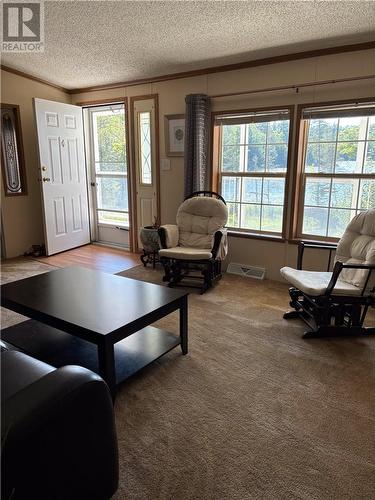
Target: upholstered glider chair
336	303
194	248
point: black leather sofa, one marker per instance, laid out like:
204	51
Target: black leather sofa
58	436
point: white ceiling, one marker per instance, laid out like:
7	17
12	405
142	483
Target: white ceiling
98	42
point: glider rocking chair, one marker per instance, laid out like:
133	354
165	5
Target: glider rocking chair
196	245
336	303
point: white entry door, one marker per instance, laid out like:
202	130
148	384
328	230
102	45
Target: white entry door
63	175
146	162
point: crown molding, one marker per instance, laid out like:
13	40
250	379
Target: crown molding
34	78
204	71
232	67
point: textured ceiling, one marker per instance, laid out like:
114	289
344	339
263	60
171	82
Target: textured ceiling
98	42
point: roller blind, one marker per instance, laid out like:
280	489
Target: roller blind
347	110
263	116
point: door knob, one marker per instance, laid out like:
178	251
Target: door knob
46	179
93	184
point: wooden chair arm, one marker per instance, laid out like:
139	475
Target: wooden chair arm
339	266
303	244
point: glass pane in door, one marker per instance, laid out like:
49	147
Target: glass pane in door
145	147
112	193
109	138
110	165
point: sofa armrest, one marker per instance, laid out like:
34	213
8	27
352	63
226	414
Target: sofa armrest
59	437
220	246
169	235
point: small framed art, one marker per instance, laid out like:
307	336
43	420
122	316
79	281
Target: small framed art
174	135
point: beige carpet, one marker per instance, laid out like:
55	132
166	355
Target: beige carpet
17	269
253	411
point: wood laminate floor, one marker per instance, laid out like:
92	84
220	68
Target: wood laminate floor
107	259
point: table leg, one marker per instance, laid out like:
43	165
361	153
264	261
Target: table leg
107	371
184	324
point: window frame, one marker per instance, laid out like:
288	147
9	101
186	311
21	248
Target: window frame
299	176
135	217
216	148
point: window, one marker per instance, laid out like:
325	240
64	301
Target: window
145	147
338	168
252	166
11	149
110	165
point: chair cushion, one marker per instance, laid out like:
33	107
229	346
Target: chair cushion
357	246
171	235
185	253
198	219
315	283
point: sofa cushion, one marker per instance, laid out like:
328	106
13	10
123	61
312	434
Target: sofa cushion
18	371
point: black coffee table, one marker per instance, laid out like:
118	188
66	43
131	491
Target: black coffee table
93	319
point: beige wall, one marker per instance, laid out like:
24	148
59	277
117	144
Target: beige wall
22	215
271	255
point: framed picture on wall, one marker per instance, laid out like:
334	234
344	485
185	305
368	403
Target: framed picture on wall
12	160
174	129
